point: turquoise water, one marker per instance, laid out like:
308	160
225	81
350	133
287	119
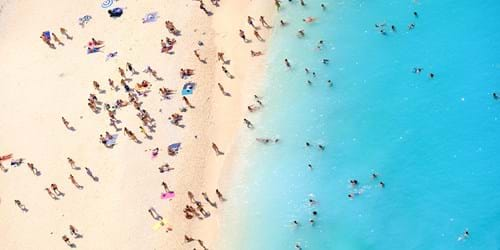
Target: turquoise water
433	142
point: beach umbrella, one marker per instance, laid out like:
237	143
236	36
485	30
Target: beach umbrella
107	3
150	17
174	148
188	88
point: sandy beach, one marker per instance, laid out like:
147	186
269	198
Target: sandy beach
40	85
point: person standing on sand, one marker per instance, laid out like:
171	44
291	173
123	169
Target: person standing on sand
187	102
143	131
31	166
72	178
4	169
277	3
122	72
220	57
71	163
197	54
65	33
56	189
188	239
165	186
66	240
250	21
65	122
248	123
243	36
20	205
73	231
57	39
264	23
154	214
219	195
228	74
216	149
287	63
96	86
256	33
52	195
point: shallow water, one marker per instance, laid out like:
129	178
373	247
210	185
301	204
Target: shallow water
433	142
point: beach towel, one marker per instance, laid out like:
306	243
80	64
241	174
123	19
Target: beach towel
168	195
112	141
107	3
159	224
84	20
111	55
188	88
91	50
150	17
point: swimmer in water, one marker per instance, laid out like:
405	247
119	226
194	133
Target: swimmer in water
495	96
300	33
309	19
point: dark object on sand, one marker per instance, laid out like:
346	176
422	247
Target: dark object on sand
116	12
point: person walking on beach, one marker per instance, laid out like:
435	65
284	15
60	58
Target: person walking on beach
220	57
4	169
73	231
67	241
65	33
248	123
256	33
65	122
228	74
221	88
122	72
243	36
131	69
154	214
216	149
264	23
287	63
89	173
165	187
277	3
72	178
219	195
205	196
56	190
20	205
71	163
250	21
255	53
52	195
31	166
57	39
197	54
186	100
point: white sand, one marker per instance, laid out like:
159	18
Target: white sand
39	85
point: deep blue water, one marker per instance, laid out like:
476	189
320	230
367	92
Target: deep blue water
435	143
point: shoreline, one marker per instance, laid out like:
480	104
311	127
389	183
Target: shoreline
224	128
129	180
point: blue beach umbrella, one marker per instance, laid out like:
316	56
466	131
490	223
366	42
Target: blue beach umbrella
107	3
188	88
